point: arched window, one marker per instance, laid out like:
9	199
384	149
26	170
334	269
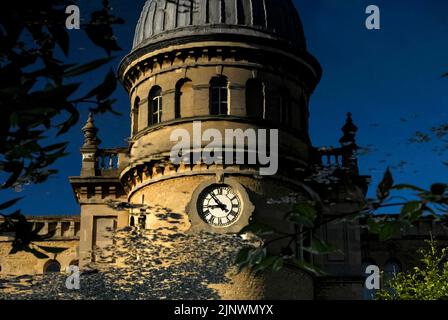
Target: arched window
219	96
74	263
241	18
135	112
391	268
52	266
183	96
285	106
255	99
132	221
155	106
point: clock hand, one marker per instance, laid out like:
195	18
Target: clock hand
220	204
213	206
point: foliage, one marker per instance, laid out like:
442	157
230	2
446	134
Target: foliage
426	282
306	219
432	202
38	93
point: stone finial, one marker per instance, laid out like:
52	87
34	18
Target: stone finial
349	146
90	133
349	133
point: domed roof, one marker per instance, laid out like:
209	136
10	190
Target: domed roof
167	19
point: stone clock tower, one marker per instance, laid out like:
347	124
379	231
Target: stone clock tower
225	64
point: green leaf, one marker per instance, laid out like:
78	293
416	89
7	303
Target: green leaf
320	247
265	263
303	213
412	210
305	209
256	256
308	267
55	250
258	229
243	256
384	229
9	203
300	220
84	68
278	264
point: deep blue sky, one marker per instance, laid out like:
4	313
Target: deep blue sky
390	79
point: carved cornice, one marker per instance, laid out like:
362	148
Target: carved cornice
224	55
96	189
151	172
262	123
158	168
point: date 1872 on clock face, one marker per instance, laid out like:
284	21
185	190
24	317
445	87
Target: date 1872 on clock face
219	205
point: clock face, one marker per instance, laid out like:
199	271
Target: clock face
219	205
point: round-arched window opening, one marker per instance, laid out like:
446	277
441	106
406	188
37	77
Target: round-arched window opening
52	266
74	263
219	96
155	106
135	116
392	268
183	97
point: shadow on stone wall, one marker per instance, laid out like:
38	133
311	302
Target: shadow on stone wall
146	264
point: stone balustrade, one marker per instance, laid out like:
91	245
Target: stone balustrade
64	228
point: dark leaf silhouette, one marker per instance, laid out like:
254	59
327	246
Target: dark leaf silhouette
36	93
10	203
385	186
78	70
